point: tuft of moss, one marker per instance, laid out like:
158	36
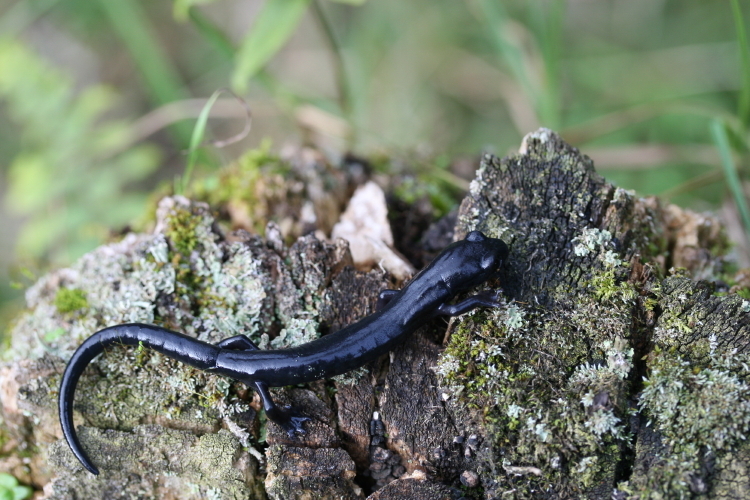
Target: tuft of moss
250	187
181	230
608	288
68	300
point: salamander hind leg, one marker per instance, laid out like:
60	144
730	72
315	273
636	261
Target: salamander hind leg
287	418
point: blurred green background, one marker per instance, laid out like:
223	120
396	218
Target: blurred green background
98	98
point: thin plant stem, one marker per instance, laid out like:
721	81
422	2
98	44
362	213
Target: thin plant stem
721	140
342	83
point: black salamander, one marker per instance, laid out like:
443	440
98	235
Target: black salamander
458	268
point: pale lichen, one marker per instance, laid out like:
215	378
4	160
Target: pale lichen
514	317
590	240
702	413
299	331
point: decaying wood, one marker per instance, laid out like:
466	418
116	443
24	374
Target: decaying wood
542	398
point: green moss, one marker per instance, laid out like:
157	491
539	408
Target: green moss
607	287
428	179
250	186
70	299
181	231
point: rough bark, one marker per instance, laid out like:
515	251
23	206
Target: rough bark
557	378
541	398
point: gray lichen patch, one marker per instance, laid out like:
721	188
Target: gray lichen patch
184	277
298	473
552	395
551	374
213	290
218	287
702	413
554	376
696	401
187	276
190	466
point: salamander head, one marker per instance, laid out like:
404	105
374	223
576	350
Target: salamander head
494	250
471	261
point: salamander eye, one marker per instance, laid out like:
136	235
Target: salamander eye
475	236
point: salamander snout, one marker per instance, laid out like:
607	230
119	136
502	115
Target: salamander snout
493	251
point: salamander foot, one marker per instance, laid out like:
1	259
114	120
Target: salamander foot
289	420
294	423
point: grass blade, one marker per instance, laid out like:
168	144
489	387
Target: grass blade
744	107
162	80
730	171
508	50
199	131
181	8
212	33
547	19
273	27
342	82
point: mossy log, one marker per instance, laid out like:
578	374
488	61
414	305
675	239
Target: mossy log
610	371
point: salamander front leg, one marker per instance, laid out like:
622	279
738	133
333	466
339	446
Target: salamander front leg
286	418
385	297
484	299
237	343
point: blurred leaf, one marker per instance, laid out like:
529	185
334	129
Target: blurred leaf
274	25
136	163
730	171
10	490
7	481
27	177
744	49
350	2
94	101
68	173
22	492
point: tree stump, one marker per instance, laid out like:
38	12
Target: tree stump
610	371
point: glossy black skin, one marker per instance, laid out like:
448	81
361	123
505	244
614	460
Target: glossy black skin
459	267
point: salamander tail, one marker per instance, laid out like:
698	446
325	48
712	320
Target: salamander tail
173	344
